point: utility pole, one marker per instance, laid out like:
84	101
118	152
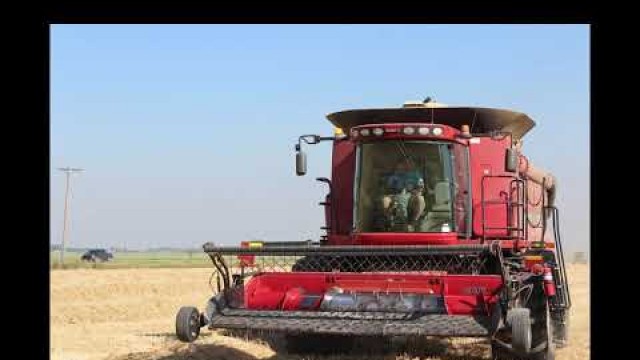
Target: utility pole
68	171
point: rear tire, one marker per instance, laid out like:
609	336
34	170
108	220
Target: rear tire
188	324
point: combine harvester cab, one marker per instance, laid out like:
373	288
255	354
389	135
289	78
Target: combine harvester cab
436	224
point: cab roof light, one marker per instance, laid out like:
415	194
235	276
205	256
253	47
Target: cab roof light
409	130
465	131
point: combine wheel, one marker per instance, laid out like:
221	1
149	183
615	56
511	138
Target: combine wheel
520	320
547	337
188	324
560	324
522	336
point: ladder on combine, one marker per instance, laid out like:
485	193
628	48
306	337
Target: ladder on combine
563	299
515	226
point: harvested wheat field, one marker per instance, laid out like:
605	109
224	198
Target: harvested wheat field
128	314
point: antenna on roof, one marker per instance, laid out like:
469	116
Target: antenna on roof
428	100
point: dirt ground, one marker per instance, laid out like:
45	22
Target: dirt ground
128	314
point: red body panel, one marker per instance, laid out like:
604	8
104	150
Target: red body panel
463	294
487	158
344	167
406	238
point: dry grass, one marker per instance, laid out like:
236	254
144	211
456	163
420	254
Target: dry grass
128	314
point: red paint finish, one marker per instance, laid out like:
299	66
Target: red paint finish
532	263
406	238
344	168
340	239
487	158
298	299
463	294
392	283
549	285
536	269
395	131
292	298
246	260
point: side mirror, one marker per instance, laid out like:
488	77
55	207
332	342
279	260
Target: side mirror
511	160
301	163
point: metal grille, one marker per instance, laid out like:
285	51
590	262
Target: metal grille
451	264
330	323
234	264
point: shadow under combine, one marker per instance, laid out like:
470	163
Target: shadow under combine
362	348
193	352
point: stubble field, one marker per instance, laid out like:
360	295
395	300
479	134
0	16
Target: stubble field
128	314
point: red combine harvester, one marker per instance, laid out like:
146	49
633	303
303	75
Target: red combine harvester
436	225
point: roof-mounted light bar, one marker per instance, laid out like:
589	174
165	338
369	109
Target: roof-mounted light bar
369	131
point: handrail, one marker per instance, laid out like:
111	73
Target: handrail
346	249
521	201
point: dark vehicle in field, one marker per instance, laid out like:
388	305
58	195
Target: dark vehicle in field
436	224
95	255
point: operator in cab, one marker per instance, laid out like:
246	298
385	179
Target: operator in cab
403	202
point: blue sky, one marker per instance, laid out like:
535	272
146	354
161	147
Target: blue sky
187	131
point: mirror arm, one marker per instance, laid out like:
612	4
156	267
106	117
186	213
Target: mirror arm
314	139
326	138
301	161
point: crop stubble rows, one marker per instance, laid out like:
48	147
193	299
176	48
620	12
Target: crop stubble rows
128	314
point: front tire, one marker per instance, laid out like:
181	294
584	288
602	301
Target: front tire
549	353
560	324
188	324
521	334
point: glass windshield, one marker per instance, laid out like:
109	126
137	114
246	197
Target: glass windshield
407	186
